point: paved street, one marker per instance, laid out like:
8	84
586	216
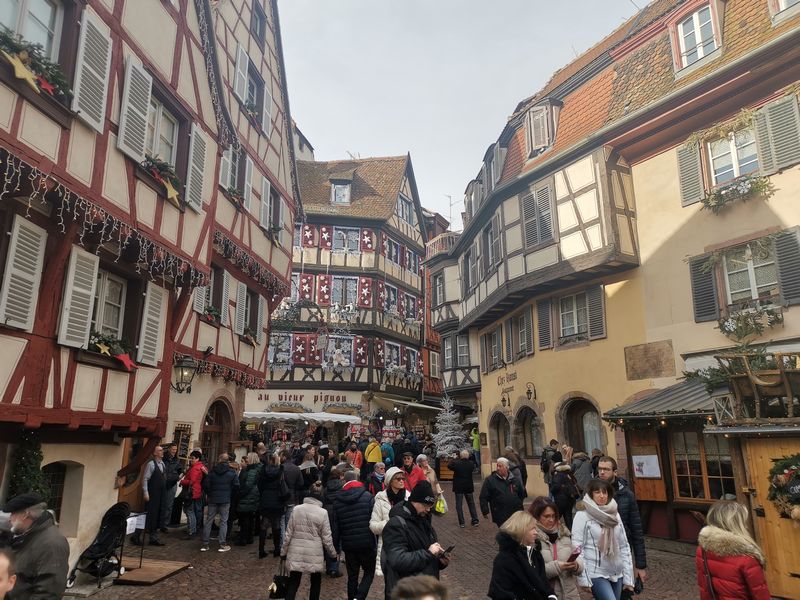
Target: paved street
240	574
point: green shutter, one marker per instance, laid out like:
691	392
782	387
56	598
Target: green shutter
690	174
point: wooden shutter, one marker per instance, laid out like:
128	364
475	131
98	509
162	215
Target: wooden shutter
498	154
225	299
260	323
690	174
266	203
484	363
283	213
76	307
20	292
241	299
150	334
529	330
704	290
787	253
133	113
92	73
781	119
225	168
266	109
197	165
240	77
544	214
199	303
496	233
509	325
595	303
766	160
543	312
529	220
247	185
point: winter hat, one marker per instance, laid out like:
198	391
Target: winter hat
391	472
423	493
23	502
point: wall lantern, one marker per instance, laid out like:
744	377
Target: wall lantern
530	391
185	368
505	400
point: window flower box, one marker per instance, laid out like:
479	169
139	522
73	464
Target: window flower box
107	345
165	176
740	189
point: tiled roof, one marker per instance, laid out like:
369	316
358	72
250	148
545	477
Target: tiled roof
376	183
684	398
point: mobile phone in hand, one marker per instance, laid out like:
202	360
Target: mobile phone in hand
575	554
449	550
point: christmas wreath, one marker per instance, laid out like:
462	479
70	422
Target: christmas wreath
784	486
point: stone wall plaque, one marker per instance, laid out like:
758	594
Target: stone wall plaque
649	361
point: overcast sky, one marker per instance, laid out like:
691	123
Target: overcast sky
436	78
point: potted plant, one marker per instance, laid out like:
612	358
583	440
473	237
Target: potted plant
251	110
211	314
235	196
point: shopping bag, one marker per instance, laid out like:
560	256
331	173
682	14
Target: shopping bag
280	581
440	507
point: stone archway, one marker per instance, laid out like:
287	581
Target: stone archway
580	424
499	434
527	433
217	429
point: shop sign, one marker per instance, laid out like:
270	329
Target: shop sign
312	400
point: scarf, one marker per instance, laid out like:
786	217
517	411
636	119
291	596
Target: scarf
552	535
606	516
395	497
378	476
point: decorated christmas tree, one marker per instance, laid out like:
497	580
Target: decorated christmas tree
449	437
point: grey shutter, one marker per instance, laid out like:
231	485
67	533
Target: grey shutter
260	324
23	274
247	185
498	332
92	73
787	253
529	331
241	299
484	364
595	302
690	174
544	214
76	306
266	109
529	220
264	216
197	165
199	303
545	328
240	77
509	348
133	113
225	299
704	290
150	334
783	124
766	160
496	246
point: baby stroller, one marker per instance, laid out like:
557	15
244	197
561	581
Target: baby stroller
104	554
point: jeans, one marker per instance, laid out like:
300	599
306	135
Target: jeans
285	521
191	511
476	458
166	505
603	589
470	504
356	560
332	564
213	510
294	584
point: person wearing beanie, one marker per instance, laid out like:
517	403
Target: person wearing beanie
414	474
410	545
394	492
41	551
352	511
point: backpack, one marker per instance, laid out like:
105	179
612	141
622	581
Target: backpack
547	454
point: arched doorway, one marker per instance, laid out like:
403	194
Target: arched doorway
499	434
217	430
528	433
582	424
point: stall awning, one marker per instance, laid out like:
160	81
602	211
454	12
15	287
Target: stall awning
753	430
317	417
389	399
687	398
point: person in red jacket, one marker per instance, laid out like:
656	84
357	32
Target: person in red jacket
413	473
730	565
194	505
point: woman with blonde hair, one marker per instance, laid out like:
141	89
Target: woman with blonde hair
730	565
518	570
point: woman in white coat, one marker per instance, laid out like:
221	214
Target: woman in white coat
393	493
598	532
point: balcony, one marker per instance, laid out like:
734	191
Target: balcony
441	244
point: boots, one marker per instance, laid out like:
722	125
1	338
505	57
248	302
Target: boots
262	538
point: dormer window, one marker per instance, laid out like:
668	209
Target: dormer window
696	36
340	193
541	125
405	210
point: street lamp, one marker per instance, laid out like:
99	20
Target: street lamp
185	368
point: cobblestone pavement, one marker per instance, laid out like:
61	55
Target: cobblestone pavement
240	574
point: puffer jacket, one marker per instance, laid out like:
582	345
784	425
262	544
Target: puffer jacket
248	488
194	480
586	534
273	491
517	574
378	520
308	538
41	557
220	484
565	585
629	513
736	566
332	489
352	512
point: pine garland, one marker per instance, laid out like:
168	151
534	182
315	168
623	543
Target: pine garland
34	57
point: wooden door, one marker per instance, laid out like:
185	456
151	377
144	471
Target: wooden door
130	487
778	537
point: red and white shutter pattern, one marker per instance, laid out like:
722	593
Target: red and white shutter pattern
324	290
364	292
309	236
360	351
306	290
367	240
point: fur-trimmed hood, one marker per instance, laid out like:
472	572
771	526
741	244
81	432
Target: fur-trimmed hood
563	467
724	543
541	534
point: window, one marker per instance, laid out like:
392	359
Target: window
784	4
393	251
297	241
524	333
447	346
412	360
412	261
410	306
346	239
751	273
469	269
702	466
254	87
491	243
345	290
696	36
162	132
405	210
251	312
55	475
339	352
258	23
438	289
340	193
109	304
391	298
493	348
733	156
463	350
392	354
295	292
574	315
434	364
37	21
538	129
280	349
229	170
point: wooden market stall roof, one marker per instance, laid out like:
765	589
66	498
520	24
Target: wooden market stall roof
686	398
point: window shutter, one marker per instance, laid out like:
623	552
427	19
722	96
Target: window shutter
509	348
766	160
20	292
134	110
200	299
690	175
76	307
544	214
787	252
260	323
496	244
529	218
484	365
225	300
92	73
240	78
545	329
241	299
197	165
499	154
225	168
266	203
595	302
704	290
284	212
539	130
529	331
150	334
247	186
266	110
783	124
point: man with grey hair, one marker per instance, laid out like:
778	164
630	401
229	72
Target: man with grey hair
41	552
463	487
501	493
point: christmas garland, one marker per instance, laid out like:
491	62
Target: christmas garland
48	75
784	486
248	263
228	374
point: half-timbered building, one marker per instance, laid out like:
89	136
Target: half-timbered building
148	194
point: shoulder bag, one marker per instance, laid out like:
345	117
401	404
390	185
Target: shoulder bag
709	583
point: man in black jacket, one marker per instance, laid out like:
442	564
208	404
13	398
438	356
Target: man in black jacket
352	509
172	475
628	512
501	493
219	486
294	483
410	546
463	487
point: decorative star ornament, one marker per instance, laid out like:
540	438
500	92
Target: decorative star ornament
45	85
103	348
126	361
21	70
172	193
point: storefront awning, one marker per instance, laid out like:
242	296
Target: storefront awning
390	400
753	430
687	398
317	417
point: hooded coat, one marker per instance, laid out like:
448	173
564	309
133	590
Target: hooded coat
565	584
379	519
735	564
308	538
273	491
220	484
517	574
249	495
352	512
42	560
